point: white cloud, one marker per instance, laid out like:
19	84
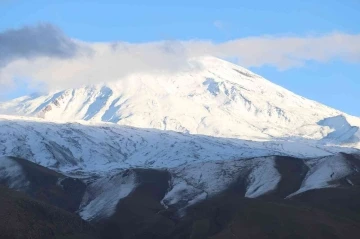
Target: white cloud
112	61
108	62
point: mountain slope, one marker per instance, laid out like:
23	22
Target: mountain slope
139	183
101	154
41	183
197	101
22	217
185	202
141	213
101	147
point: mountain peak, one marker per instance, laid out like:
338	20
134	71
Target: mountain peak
218	98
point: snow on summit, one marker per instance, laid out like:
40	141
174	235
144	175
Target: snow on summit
216	99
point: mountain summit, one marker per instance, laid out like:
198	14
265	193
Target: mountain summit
216	98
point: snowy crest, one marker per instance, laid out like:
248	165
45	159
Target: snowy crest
217	99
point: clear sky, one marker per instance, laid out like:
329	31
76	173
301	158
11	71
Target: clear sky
334	81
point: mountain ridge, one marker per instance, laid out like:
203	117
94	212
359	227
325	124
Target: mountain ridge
152	203
195	101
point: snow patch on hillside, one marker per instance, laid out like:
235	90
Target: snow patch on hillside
102	196
263	178
341	130
324	171
195	182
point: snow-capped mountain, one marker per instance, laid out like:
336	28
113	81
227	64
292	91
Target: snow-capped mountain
198	132
214	98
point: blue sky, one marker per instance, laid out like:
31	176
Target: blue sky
334	82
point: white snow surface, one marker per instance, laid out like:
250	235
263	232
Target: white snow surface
215	98
198	181
100	147
342	130
323	172
102	196
263	178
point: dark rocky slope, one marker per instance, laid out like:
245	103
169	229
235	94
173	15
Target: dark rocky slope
45	208
51	187
23	218
230	215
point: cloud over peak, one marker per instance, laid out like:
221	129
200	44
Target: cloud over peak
44	54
